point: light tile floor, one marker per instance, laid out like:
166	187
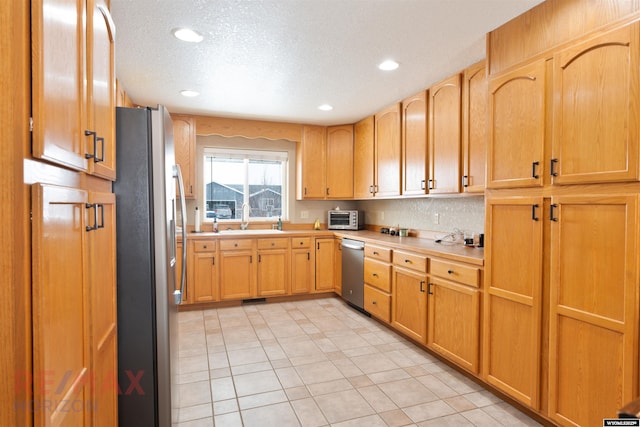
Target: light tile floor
319	363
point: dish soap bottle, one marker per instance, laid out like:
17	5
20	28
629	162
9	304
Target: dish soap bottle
215	224
316	225
280	223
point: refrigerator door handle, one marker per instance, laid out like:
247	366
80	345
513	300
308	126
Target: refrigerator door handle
177	294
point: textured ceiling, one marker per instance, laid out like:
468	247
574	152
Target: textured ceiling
280	59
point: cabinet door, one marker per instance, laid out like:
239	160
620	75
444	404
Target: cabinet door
273	272
475	127
58	82
325	274
102	279
339	162
311	163
237	275
337	265
302	271
596	113
454	322
517	128
387	166
205	277
512	299
184	139
409	301
414	145
363	158
61	306
101	90
444	136
593	325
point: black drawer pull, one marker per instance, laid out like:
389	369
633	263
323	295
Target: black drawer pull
450	271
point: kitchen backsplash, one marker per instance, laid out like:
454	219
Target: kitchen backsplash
463	213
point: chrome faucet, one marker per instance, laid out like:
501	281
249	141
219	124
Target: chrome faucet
245	216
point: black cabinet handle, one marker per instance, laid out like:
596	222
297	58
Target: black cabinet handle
259	258
95	225
95	136
429	289
534	166
373	302
422	185
551	209
430	182
552	167
422	286
318	245
250	259
533	212
308	256
450	271
213	260
465	180
375	274
375	253
95	150
407	260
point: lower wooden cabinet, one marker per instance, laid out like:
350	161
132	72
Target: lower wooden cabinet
273	267
204	273
337	265
377	303
325	265
303	265
237	269
409	290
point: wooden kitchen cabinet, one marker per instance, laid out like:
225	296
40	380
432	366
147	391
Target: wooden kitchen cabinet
414	145
325	264
445	136
596	123
475	127
517	111
74	306
274	271
325	163
337	265
513	296
237	269
593	323
302	265
184	140
74	93
409	295
454	312
339	162
388	147
363	158
377	281
202	278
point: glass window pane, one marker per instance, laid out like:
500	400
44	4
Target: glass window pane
265	188
224	187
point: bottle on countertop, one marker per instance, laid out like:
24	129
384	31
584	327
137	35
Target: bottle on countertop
215	224
197	220
316	225
280	223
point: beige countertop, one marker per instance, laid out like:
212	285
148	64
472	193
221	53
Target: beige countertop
454	252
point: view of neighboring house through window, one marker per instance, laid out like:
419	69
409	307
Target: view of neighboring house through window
254	179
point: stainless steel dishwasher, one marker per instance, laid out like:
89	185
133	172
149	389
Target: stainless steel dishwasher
353	272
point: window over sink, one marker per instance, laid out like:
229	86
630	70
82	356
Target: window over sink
255	179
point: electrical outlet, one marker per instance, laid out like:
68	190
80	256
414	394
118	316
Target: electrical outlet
436	218
304	214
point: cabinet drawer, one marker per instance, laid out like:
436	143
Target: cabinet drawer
236	244
453	271
410	260
377	252
204	246
300	242
278	243
377	303
377	274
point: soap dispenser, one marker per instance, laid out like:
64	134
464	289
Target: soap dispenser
280	223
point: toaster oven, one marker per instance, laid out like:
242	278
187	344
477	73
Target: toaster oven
345	220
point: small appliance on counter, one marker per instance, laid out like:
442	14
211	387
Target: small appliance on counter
345	220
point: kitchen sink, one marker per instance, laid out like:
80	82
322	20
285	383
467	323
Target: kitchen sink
250	231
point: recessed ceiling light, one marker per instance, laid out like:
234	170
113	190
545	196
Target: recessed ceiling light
325	107
187	35
189	93
388	65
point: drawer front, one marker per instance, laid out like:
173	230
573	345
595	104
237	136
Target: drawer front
278	243
377	252
410	260
300	242
465	274
236	244
377	274
377	303
204	246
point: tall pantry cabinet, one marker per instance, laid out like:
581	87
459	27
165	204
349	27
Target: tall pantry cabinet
69	174
562	217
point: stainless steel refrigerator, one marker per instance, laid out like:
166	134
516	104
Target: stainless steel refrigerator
146	211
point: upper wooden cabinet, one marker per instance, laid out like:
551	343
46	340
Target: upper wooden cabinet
414	144
74	92
596	123
475	127
387	164
339	162
364	158
325	163
184	140
517	127
444	136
